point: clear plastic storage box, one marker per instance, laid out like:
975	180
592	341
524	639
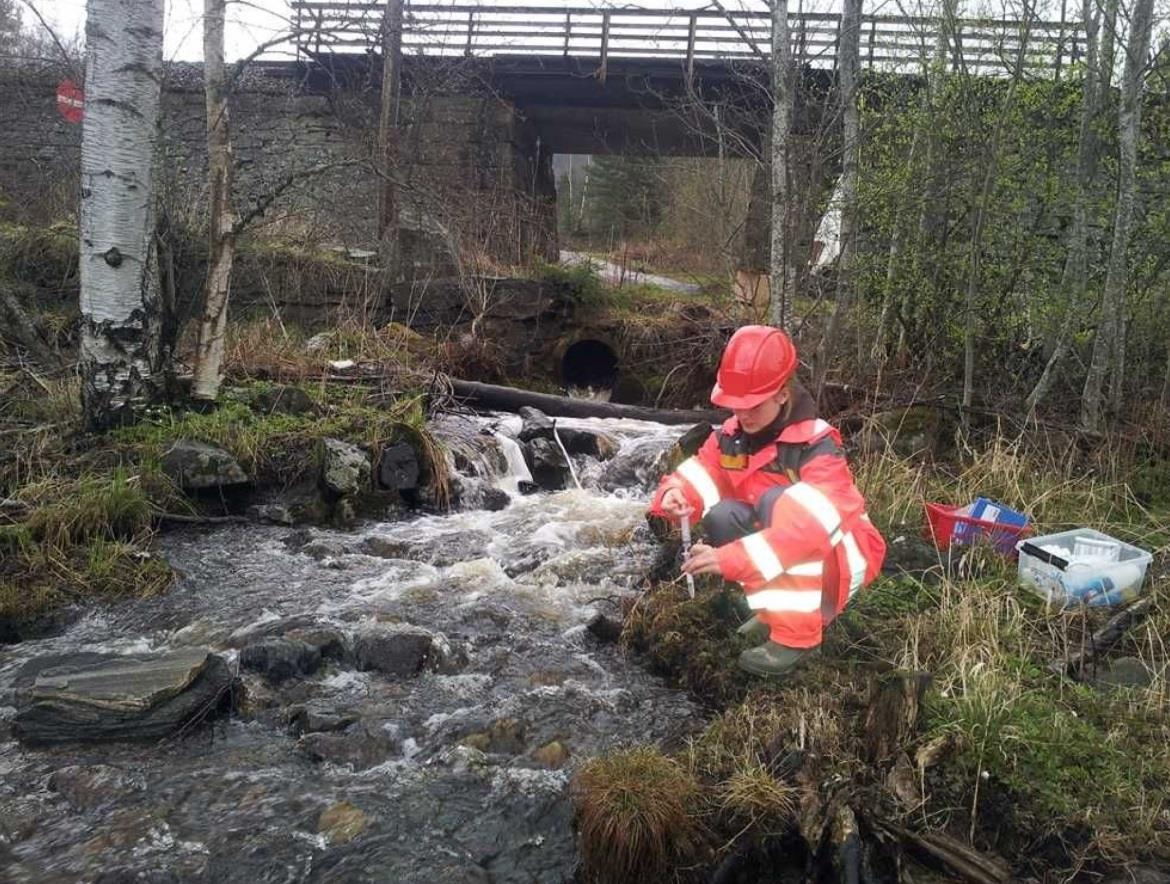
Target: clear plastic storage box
1082	567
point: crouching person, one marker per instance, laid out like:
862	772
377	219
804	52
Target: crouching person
780	511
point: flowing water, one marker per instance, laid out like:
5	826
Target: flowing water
511	591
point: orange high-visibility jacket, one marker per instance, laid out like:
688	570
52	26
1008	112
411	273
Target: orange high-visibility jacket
820	547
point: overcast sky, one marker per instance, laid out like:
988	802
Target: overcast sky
252	22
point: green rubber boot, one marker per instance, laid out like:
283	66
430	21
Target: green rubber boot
755	629
772	659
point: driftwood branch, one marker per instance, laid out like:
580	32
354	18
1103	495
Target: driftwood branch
492	396
1103	639
958	858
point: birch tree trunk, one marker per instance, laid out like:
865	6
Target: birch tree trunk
221	224
120	362
388	132
780	292
1107	341
850	67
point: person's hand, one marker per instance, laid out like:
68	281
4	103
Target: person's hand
674	503
701	560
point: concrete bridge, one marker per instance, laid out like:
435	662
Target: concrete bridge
687	81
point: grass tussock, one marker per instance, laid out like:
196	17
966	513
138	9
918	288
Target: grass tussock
84	538
634	816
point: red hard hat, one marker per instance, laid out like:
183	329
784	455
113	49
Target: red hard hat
756	363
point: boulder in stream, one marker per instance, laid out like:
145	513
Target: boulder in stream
345	469
93	698
88	786
280	659
397	649
360	746
536	424
594	444
547	464
195	466
398	467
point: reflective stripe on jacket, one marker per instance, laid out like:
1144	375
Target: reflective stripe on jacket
818	516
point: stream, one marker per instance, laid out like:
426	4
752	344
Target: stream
511	592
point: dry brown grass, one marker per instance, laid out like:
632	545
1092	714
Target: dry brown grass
634	816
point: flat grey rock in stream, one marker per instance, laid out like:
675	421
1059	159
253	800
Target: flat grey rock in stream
95	698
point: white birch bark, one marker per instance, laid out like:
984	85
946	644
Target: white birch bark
119	279
780	294
850	69
221	250
1107	341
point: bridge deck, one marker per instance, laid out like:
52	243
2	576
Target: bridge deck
899	43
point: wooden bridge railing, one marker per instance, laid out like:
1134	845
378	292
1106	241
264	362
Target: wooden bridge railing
982	46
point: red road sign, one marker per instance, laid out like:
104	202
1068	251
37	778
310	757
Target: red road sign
70	101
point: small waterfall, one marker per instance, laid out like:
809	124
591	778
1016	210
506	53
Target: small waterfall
517	468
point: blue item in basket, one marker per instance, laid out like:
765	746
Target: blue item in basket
990	511
1096	589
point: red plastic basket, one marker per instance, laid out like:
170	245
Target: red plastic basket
942	520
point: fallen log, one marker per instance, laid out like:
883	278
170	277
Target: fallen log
493	396
961	860
1103	639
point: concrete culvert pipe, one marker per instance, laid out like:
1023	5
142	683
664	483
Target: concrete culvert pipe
589	364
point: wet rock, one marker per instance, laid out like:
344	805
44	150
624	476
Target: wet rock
495	499
641	465
1124	672
536	424
256	698
395	649
342	822
104	697
283	399
588	442
87	787
361	746
398	467
330	642
547	464
280	659
323	548
199	632
605	629
692	440
274	626
315	719
505	736
273	513
195	466
345	469
553	754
